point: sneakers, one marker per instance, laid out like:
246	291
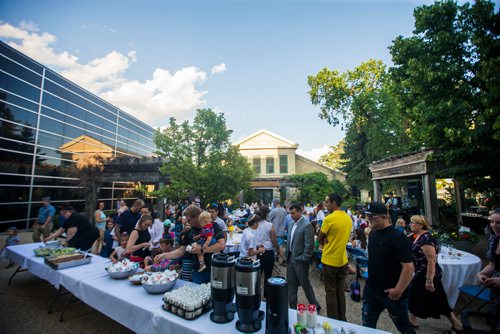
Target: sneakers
202	267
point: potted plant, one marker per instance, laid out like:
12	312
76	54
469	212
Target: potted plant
462	240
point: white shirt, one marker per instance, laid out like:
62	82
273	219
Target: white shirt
320	215
156	232
292	233
248	241
221	224
263	235
115	243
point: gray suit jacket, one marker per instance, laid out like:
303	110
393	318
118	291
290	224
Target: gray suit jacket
302	246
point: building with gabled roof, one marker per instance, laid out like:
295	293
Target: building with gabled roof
274	160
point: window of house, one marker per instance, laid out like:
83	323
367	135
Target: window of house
284	164
270	165
256	165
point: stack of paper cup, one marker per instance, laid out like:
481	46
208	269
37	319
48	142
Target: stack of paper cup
301	314
312	316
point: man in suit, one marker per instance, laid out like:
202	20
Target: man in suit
299	252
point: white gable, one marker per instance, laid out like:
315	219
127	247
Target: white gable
265	139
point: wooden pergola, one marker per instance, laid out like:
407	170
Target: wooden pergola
405	166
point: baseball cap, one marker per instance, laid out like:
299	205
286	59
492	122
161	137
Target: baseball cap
167	222
376	208
13	228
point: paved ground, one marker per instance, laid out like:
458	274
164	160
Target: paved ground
23	306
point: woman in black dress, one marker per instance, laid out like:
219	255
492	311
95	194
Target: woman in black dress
427	297
79	232
139	241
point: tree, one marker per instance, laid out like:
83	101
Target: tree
88	167
334	158
314	187
359	101
445	79
443	92
202	161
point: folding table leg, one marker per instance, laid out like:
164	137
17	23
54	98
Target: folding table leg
54	299
65	307
18	270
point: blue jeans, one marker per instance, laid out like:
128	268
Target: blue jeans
374	304
203	277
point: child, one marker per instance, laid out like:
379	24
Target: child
166	245
12	240
117	254
168	229
230	228
204	239
107	247
401	225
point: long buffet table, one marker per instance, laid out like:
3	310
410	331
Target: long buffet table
131	305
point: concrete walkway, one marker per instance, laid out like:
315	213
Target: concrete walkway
23	306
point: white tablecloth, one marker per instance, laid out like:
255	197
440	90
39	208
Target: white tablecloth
23	255
131	305
233	244
458	271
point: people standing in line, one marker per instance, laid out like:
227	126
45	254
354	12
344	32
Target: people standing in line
107	247
206	236
156	231
43	222
334	236
100	223
12	240
139	241
299	252
118	253
427	297
392	207
319	214
192	213
390	270
490	275
127	220
248	245
266	236
277	218
213	209
118	203
80	233
122	209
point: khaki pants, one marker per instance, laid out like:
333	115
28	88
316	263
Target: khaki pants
38	231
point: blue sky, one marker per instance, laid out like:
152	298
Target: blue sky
248	59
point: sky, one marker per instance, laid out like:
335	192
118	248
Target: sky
247	59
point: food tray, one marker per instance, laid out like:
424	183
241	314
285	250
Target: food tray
188	315
67	264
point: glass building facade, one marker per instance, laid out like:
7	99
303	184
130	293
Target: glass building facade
46	123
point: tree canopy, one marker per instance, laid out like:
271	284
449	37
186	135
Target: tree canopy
314	187
442	92
201	159
334	158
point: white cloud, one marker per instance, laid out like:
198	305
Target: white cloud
219	68
98	27
315	153
28	25
164	96
156	99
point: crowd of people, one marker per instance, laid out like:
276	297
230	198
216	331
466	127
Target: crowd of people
404	273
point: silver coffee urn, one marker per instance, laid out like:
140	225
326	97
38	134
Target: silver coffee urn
222	281
248	295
